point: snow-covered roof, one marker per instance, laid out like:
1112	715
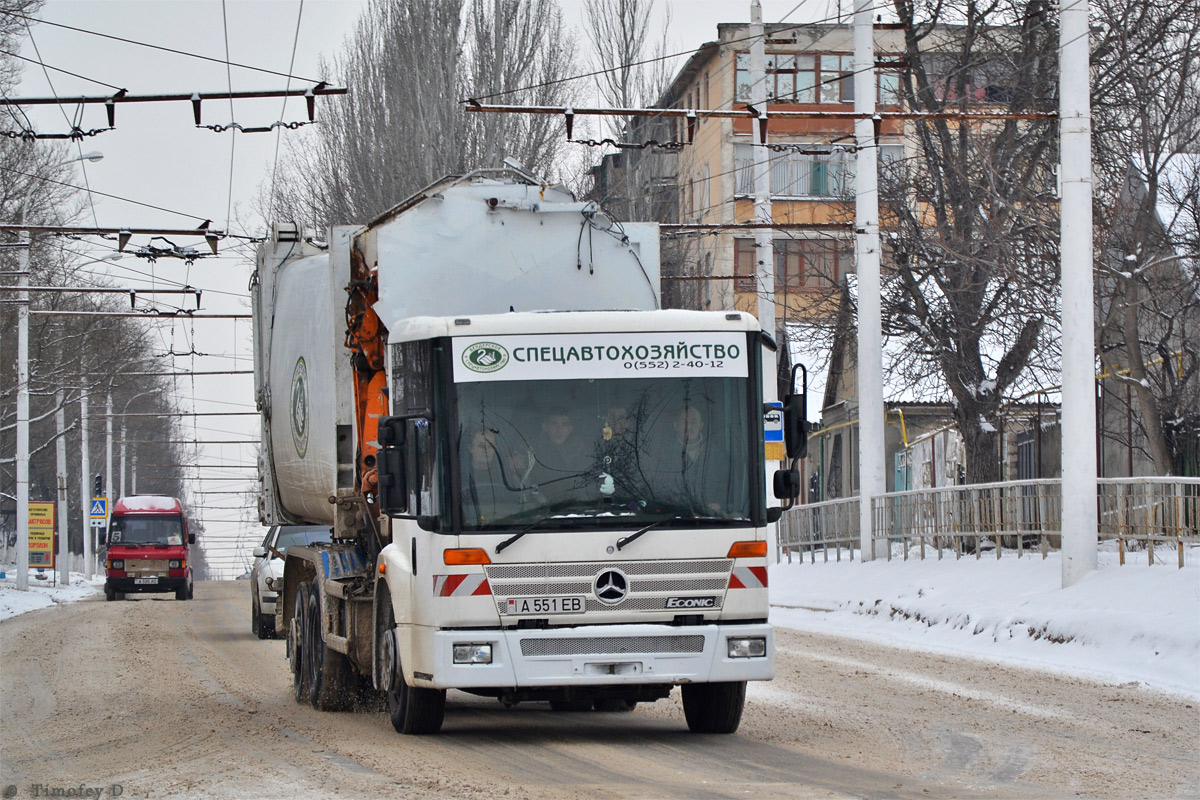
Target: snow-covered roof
147	503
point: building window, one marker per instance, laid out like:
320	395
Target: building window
796	174
801	265
809	78
745	267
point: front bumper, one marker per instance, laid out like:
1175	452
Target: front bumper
599	655
131	585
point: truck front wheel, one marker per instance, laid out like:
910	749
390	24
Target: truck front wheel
326	669
713	707
413	710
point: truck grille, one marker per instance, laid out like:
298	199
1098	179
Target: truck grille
612	645
650	583
151	566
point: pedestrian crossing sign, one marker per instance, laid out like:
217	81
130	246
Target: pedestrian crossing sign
99	508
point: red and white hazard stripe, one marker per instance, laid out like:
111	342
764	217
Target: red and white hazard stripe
460	585
748	578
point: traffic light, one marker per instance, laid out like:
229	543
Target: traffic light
98	489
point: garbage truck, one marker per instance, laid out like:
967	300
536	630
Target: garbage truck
542	487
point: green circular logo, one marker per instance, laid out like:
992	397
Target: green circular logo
299	415
485	357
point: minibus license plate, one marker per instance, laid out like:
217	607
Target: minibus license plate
566	604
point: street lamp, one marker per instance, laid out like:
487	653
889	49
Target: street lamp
25	242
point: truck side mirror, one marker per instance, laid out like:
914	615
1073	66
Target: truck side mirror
787	484
103	537
393	493
389	466
191	538
259	552
795	417
391	432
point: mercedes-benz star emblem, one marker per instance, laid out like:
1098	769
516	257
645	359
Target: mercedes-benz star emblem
611	586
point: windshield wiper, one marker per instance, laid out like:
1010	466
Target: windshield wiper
624	540
523	531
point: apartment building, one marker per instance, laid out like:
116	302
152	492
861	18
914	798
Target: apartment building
812	161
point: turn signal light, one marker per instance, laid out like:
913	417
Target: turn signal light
468	555
748	550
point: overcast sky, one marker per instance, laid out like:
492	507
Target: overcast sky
157	157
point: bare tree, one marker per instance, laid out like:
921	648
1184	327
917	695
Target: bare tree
13	26
73	354
973	224
620	33
408	66
518	52
398	128
1146	115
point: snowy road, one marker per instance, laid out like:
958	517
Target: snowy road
178	700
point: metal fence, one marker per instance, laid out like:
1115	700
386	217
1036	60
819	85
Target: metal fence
1154	514
817	527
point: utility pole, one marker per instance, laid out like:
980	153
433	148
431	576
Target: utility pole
763	244
109	483
124	447
764	215
871	451
60	512
1079	486
85	489
26	241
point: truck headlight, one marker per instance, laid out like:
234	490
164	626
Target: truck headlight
749	647
174	564
117	563
474	653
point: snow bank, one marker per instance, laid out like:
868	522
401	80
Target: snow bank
1132	623
43	593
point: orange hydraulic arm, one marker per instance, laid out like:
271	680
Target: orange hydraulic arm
366	337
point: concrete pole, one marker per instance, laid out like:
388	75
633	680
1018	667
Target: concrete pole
109	483
124	447
133	478
85	488
871	452
764	250
763	245
1080	525
23	410
62	552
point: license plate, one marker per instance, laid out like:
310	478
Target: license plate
145	580
568	604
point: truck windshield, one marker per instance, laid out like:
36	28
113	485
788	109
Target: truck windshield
158	529
620	452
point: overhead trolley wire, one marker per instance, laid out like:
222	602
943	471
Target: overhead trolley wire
156	46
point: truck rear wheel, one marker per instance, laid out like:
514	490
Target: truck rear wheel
296	644
110	594
327	670
413	710
713	707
